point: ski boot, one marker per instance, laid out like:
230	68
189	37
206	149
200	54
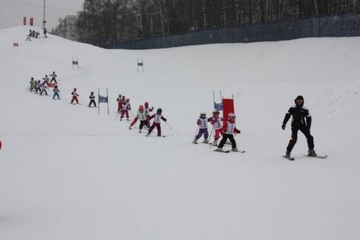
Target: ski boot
311	153
139	130
206	141
235	150
194	142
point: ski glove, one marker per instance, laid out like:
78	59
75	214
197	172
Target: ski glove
283	127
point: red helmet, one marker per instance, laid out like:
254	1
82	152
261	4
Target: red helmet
141	108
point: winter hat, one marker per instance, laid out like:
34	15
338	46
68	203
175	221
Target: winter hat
299	98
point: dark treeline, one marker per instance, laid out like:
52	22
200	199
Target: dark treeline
105	22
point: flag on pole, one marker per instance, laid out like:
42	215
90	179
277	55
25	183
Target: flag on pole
218	106
103	99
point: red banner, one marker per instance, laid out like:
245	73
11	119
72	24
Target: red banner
228	107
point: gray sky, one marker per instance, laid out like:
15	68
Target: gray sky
13	11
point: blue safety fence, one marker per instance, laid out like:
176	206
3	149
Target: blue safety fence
324	26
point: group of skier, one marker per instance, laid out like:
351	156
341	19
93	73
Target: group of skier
301	120
123	106
41	87
143	114
228	130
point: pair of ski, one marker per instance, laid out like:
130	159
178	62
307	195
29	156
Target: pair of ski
148	135
317	156
227	151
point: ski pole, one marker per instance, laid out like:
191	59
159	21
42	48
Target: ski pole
196	131
116	116
168	125
132	114
211	133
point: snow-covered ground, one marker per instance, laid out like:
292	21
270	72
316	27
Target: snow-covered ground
67	173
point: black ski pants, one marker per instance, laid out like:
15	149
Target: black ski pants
143	123
294	137
226	137
92	102
53	79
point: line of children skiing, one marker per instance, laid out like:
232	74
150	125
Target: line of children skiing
41	88
227	130
124	107
301	120
144	116
38	87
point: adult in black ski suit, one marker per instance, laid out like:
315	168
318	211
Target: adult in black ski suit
301	120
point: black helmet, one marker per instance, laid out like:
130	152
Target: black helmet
159	111
299	98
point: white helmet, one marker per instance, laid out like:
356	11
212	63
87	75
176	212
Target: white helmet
203	113
231	115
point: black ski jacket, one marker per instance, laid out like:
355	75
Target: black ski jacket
300	117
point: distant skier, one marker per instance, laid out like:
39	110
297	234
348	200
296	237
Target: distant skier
119	100
43	88
301	120
142	116
216	121
125	107
32	84
45	32
156	123
74	97
92	99
46	80
56	92
38	87
148	111
53	77
228	131
203	128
